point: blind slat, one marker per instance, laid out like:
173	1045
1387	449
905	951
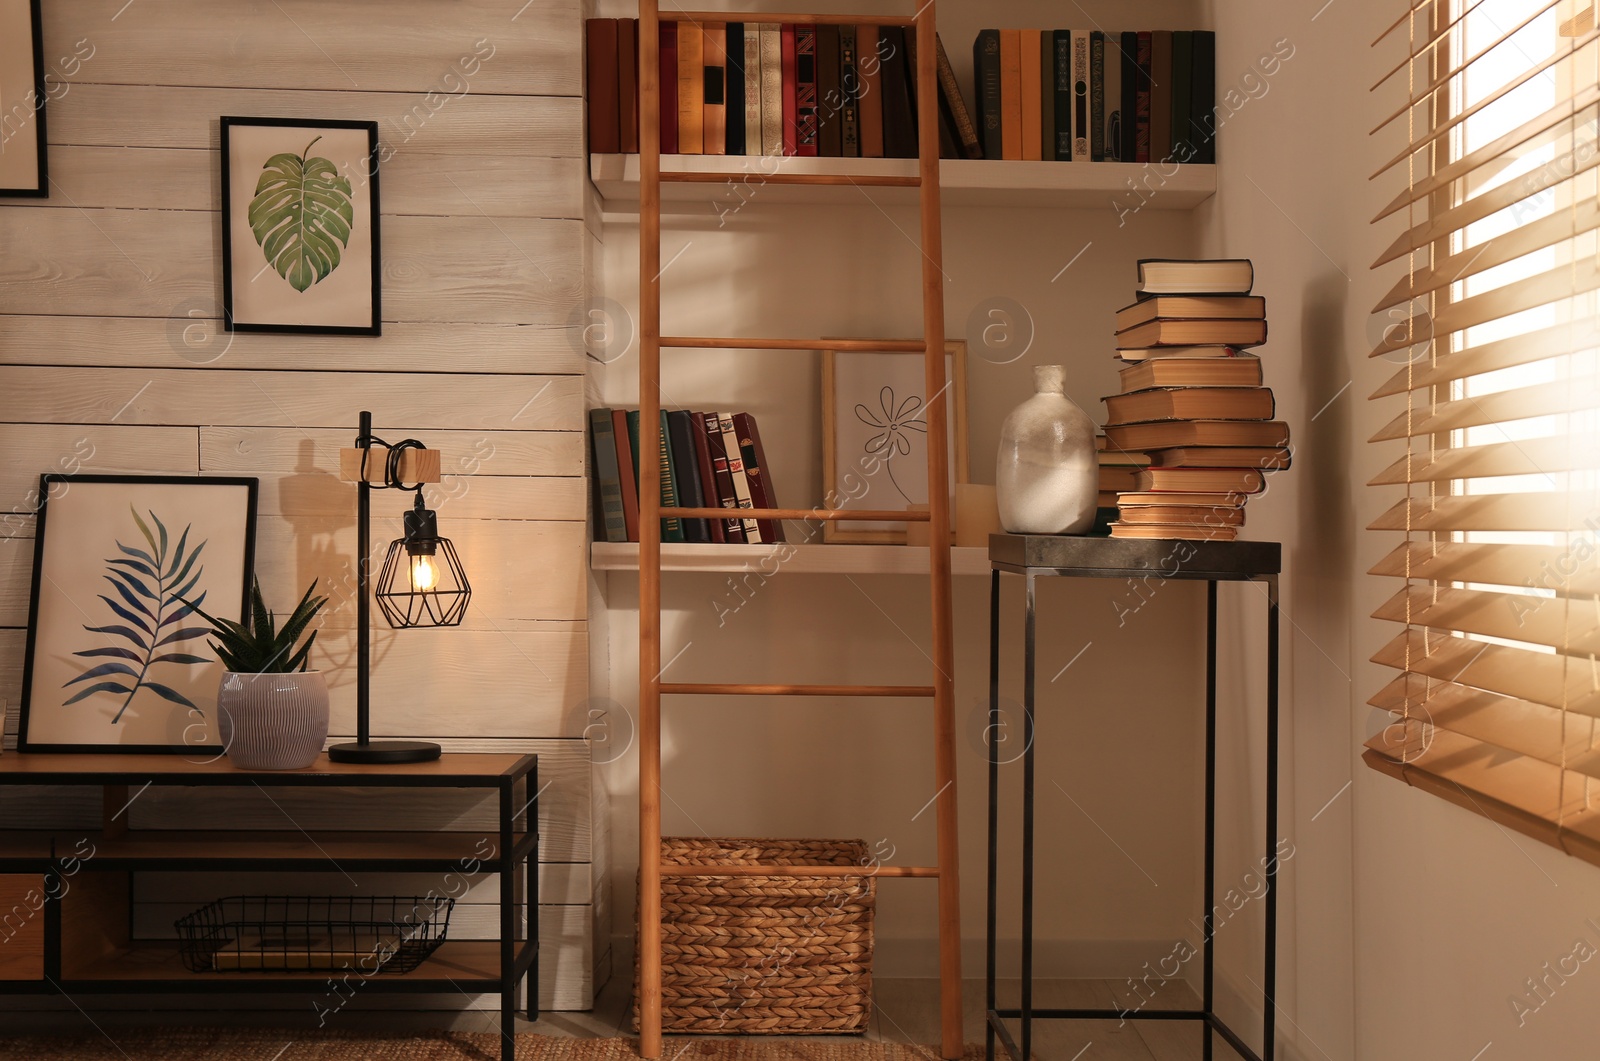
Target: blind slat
1535	456
1498	408
1489	512
1538	290
1520	673
1527	618
1554	341
1573	568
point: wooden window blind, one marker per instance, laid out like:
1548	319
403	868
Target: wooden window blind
1491	325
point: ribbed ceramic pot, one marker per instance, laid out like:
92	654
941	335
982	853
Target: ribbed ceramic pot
1046	473
273	721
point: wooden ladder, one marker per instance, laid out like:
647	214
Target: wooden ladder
941	691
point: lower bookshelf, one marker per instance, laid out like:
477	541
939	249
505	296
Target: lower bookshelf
800	559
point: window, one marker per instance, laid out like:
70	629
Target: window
1491	324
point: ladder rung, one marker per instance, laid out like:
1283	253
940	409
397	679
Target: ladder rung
774	870
869	346
809	19
886	516
832	180
735	689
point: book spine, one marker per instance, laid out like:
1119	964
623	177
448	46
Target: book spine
1031	88
671	526
753	135
741	482
1080	94
805	90
628	83
691	88
708	476
627	478
732	528
1097	96
1061	47
986	74
1203	97
669	92
604	120
1011	93
771	89
870	102
758	472
956	101
611	524
733	142
1182	75
830	94
1113	98
714	42
1160	95
686	474
1141	115
1047	95
791	101
899	119
1129	61
849	92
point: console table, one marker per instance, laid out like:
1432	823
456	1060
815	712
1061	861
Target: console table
1034	557
65	895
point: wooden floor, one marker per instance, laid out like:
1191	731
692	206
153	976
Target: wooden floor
907	1011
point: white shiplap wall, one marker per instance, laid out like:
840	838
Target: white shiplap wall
111	360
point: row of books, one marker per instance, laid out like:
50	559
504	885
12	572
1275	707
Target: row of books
1092	96
768	88
708	460
1193	424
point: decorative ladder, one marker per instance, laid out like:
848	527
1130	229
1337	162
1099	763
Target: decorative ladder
651	688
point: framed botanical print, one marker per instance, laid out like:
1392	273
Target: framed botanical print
300	244
875	436
117	658
23	169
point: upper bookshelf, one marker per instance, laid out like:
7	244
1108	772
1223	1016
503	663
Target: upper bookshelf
963	182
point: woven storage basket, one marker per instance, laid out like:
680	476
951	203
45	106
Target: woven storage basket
764	955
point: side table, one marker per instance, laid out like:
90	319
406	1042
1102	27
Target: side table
1038	556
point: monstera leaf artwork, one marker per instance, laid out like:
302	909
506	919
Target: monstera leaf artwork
151	622
302	215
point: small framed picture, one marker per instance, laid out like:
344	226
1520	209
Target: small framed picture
875	436
117	656
22	99
300	248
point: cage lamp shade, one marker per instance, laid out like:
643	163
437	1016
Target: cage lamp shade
423	582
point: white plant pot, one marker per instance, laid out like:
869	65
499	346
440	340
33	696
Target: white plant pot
273	721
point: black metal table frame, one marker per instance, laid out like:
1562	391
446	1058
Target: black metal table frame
519	960
994	1017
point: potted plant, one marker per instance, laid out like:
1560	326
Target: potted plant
272	711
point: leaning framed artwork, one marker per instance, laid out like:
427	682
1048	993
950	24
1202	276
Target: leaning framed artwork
23	169
875	436
117	658
300	246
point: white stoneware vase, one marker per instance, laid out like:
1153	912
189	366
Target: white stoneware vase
273	721
1046	475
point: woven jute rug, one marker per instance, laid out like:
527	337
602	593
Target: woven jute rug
201	1044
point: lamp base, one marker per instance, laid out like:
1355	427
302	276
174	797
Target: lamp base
384	751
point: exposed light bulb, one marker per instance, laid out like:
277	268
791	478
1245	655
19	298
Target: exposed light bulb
424	575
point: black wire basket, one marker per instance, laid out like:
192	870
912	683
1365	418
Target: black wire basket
276	933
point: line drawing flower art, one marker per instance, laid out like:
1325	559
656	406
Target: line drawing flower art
893	421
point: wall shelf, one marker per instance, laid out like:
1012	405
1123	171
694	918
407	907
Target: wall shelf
963	182
801	559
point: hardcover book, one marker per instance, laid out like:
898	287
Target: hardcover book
1141	99
715	528
1192	372
986	74
1182	75
733	527
1129	120
601	72
1203	97
668	79
1267	458
1160	95
610	523
1011	93
741	482
671	526
1032	89
751	72
628	83
1065	96
715	92
790	84
733	78
830	93
691	89
849	92
955	102
806	111
1184	276
757	471
1047	95
1163	332
627	478
1080	95
1163	531
1097	96
1190	403
1241	480
686	474
1174	433
899	118
772	94
1191	306
1113	99
869	70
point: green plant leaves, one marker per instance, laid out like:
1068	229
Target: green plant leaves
262	647
148	589
302	215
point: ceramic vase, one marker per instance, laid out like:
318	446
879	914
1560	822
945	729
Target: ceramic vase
1047	475
273	721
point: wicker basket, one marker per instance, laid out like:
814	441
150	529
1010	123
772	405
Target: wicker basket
764	955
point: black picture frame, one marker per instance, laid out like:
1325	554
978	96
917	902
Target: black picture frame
36	178
262	295
110	605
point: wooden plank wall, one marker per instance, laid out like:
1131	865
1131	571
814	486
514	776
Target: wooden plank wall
112	359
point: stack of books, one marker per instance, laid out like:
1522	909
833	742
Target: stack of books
1193	401
770	88
710	460
1090	96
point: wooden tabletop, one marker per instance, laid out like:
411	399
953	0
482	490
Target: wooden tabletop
460	769
1091	557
